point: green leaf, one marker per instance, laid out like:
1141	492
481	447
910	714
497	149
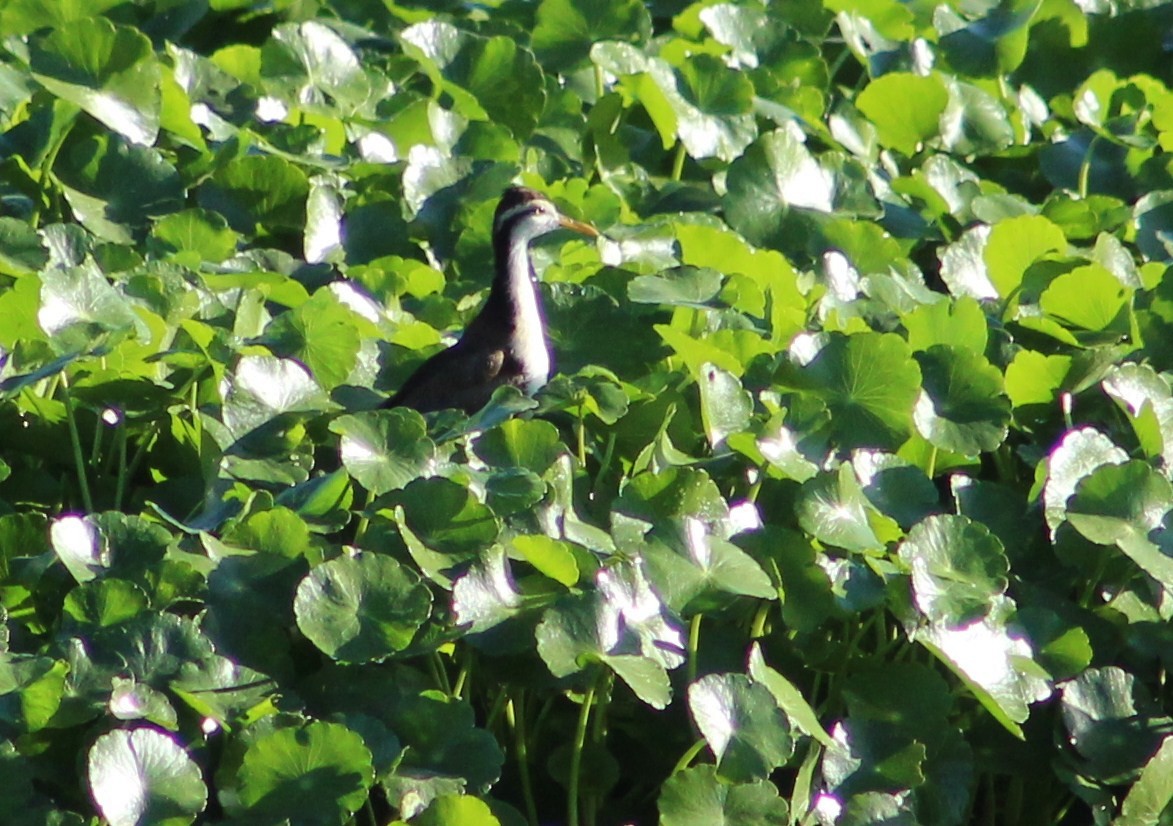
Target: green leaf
78	305
109	71
1147	400
869	382
551	557
104	602
698	797
1016	243
958	323
991	45
776	173
1151	794
80	546
142	776
322	334
964	407
457	810
958	568
31	691
384	449
995	662
1080	453
113	185
742	724
491	78
726	407
678	286
195	235
258	194
787	695
316	773
565	30
905	108
530	444
1121	505
832	508
1112	721
447	517
361	608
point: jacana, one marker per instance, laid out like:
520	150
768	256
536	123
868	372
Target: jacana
506	343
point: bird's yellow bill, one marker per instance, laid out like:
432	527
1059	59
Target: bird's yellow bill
578	226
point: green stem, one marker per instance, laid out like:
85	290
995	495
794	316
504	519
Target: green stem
1085	168
600	86
758	629
580	433
678	162
580	730
931	471
120	481
75	441
439	674
516	718
686	759
363	520
694	639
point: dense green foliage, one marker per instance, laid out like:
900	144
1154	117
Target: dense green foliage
847	505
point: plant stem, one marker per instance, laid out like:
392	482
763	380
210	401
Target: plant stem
75	441
1085	168
932	469
694	639
120	481
600	86
686	759
758	629
580	731
515	715
678	161
439	674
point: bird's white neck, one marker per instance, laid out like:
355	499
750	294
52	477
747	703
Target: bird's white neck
529	331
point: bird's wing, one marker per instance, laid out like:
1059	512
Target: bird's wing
456	377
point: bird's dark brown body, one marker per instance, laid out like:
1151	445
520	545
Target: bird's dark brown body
506	343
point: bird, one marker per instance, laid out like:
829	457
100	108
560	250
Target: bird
506	343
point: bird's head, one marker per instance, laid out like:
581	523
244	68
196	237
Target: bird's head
528	213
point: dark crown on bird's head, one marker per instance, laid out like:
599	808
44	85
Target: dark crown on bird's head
516	201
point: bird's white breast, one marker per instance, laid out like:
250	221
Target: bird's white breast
529	332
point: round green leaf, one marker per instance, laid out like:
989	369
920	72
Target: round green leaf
905	108
447	517
109	71
566	29
958	568
698	797
384	449
361	608
742	724
322	334
868	381
143	777
833	509
1087	298
1122	505
679	286
203	235
457	810
775	173
258	193
318	773
1077	456
1016	243
531	444
964	407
